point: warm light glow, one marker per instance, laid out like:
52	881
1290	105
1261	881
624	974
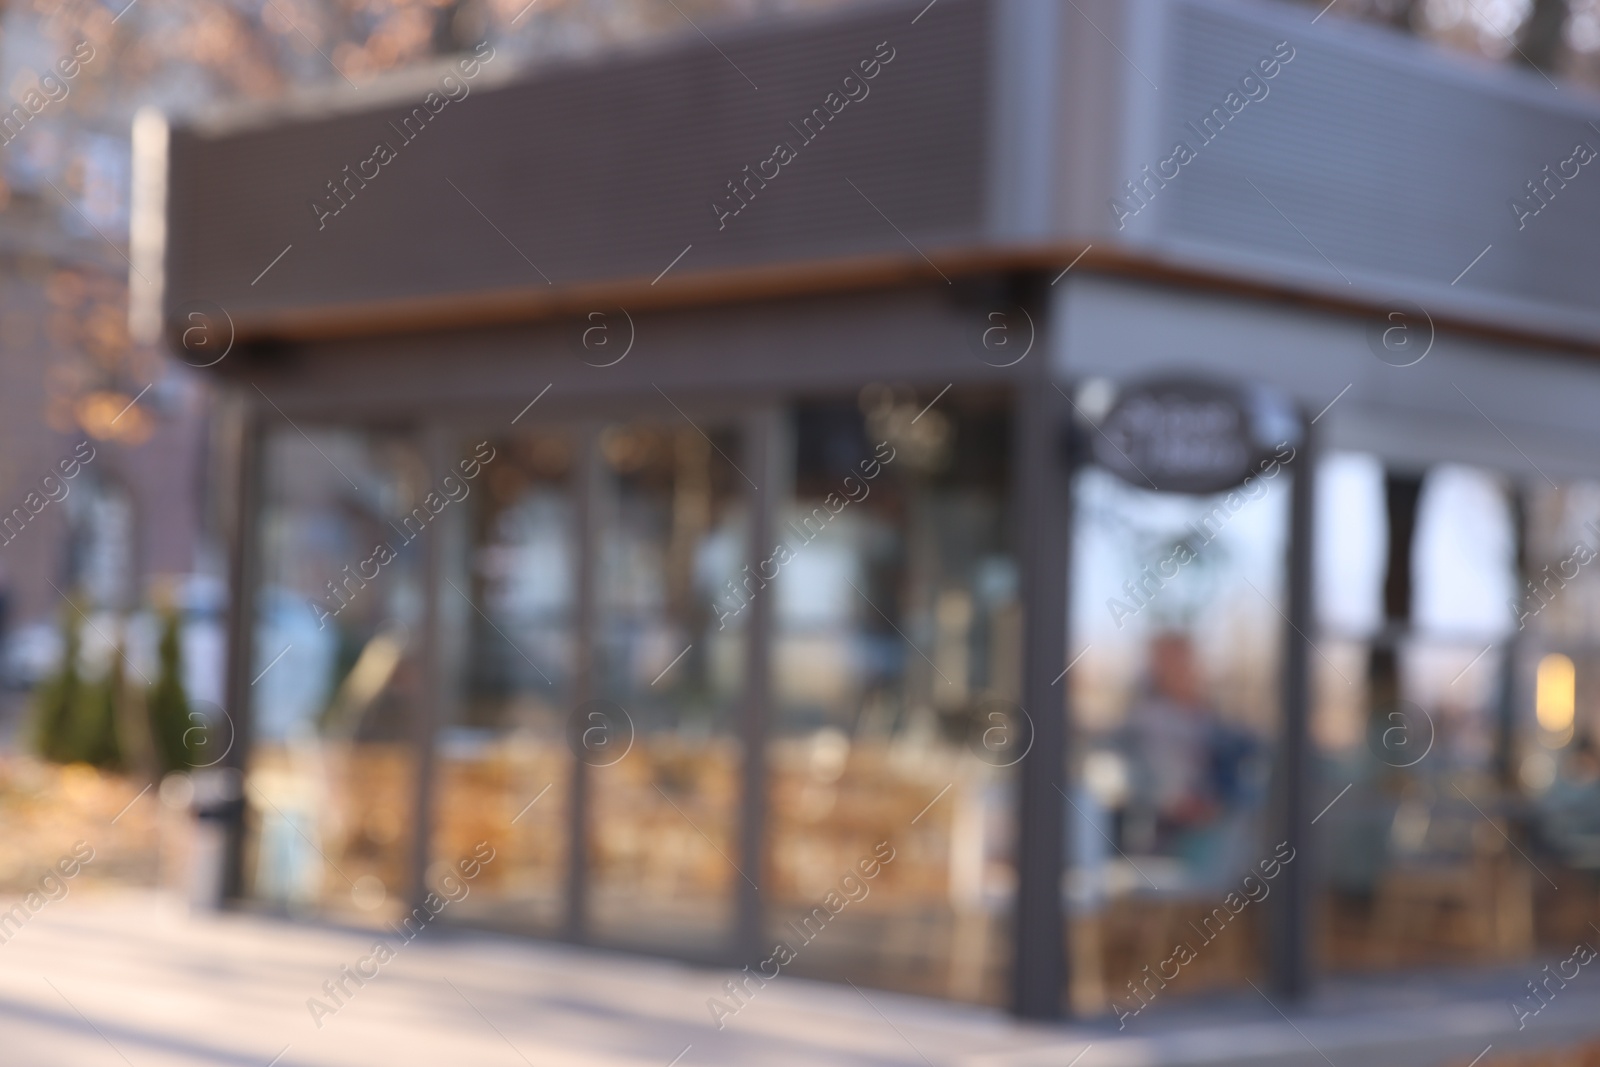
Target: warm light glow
109	415
1555	698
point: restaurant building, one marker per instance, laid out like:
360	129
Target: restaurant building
789	496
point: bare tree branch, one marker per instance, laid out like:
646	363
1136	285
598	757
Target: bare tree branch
1539	43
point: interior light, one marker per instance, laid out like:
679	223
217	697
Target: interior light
1555	698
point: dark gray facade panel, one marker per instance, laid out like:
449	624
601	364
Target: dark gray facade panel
604	171
1383	168
803	345
1399	167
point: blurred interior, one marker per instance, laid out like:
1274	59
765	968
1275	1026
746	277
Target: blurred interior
871	740
1451	815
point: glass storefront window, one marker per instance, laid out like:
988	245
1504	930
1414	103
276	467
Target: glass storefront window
895	656
509	611
1177	636
100	543
1420	836
1556	732
1455	720
662	834
337	676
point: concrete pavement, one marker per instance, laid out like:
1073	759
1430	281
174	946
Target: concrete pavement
129	979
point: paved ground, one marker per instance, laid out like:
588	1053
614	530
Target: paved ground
125	979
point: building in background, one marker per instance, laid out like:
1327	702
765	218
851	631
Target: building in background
125	530
698	491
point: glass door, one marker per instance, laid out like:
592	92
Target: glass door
896	727
589	672
659	737
1177	620
337	676
508	609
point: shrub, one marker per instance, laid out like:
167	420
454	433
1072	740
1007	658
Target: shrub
75	719
56	699
168	704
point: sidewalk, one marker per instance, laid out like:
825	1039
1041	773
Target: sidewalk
127	979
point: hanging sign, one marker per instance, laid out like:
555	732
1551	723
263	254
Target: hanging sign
1191	435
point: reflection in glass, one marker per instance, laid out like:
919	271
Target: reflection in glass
337	676
508	604
100	543
896	670
1410	727
663	817
1555	734
1175	608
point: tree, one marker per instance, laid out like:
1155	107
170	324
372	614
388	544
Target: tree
1402	14
168	704
67	172
1539	44
56	700
75	720
95	739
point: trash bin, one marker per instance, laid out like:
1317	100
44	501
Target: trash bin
217	805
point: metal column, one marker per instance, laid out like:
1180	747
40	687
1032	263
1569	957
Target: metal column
428	714
242	471
764	440
1042	482
587	481
1292	932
